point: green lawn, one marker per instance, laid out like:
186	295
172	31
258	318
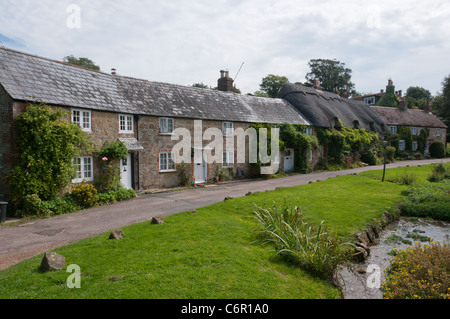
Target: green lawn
211	253
421	173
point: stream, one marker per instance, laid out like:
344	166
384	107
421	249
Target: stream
362	281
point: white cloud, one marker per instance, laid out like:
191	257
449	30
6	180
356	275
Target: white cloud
187	42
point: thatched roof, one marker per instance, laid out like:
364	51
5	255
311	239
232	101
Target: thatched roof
407	117
321	108
31	78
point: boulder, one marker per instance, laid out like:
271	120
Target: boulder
366	248
362	237
117	234
52	261
371	235
157	220
360	254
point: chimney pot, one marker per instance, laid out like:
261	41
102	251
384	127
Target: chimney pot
225	83
113	71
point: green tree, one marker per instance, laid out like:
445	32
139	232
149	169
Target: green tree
84	62
331	74
441	104
47	144
417	97
418	93
271	84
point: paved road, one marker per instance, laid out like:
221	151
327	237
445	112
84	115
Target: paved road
31	238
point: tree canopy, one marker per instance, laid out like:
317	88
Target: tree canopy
331	74
441	104
84	62
271	84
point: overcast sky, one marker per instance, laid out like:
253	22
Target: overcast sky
186	42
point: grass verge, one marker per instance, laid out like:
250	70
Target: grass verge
210	253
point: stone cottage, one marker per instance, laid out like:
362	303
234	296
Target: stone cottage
143	114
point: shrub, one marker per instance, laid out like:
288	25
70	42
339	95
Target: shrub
428	200
30	204
419	272
439	172
114	196
437	150
369	157
47	143
58	206
85	194
390	153
314	249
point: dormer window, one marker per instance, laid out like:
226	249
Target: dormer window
356	124
335	123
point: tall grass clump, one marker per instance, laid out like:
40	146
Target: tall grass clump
313	248
406	178
419	272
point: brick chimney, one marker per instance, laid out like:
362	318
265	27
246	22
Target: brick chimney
225	83
403	105
427	107
316	85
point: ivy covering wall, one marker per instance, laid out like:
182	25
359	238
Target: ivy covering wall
47	144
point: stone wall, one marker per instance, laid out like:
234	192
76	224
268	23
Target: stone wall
154	142
6	128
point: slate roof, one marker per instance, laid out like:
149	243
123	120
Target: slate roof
408	117
321	107
32	78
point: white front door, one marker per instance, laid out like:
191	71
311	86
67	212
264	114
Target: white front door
125	172
289	160
200	171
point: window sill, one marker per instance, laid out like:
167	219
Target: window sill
168	171
80	180
168	134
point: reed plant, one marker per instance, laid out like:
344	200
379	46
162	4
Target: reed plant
315	249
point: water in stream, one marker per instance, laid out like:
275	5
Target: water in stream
358	283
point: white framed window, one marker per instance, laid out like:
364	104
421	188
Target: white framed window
308	130
84	168
393	129
166	125
228	159
166	162
227	128
401	145
413	130
125	123
369	100
82	118
415	146
438	132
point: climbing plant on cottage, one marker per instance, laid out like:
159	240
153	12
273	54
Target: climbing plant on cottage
110	154
47	142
